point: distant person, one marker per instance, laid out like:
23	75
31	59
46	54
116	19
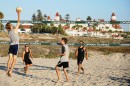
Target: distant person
14	43
64	59
27	53
81	52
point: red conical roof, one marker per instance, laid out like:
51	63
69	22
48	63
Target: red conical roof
57	14
48	17
113	14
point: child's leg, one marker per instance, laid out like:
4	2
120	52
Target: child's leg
79	67
82	69
30	65
57	72
26	68
66	74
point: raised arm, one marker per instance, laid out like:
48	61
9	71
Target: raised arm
18	23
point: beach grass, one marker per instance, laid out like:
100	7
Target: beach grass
51	51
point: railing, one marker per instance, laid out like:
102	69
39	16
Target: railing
70	44
67	22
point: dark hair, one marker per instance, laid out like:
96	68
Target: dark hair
8	25
81	42
65	40
26	45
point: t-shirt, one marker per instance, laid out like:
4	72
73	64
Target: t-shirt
14	37
65	49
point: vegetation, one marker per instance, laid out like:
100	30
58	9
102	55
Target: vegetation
50	51
44	28
1	17
89	18
67	17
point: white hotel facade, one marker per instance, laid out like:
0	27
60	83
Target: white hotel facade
101	30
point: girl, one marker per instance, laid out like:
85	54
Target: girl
26	58
80	53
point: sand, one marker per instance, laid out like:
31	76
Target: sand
100	70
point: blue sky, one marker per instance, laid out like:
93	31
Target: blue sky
97	9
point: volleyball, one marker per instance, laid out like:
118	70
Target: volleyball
19	9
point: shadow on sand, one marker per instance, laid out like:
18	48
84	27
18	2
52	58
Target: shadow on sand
38	67
3	68
122	80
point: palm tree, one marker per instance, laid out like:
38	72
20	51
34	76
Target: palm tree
67	17
1	17
34	18
45	16
89	18
60	17
39	16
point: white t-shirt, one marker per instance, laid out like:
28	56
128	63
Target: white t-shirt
14	37
65	49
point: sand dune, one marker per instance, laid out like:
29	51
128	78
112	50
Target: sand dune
100	70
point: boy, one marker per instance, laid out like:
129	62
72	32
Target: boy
14	42
64	60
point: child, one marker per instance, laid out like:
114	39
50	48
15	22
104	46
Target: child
14	43
80	52
26	58
64	60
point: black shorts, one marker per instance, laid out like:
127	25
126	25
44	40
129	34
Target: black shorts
64	64
80	61
13	49
28	62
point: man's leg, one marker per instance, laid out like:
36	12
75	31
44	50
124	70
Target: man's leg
57	72
9	62
13	64
66	74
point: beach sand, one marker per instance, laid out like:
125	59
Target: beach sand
100	70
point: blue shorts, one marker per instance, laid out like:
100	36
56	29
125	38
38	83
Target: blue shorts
13	49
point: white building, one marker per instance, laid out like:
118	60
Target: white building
57	17
26	28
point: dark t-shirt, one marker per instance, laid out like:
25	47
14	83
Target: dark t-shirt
81	52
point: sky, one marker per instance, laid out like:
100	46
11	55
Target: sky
97	9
